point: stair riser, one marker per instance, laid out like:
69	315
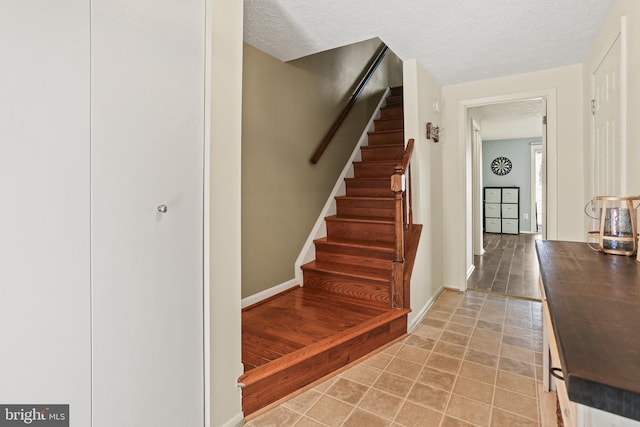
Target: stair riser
353	256
360	231
369	188
394	111
395	91
369	192
355	288
374	208
394	100
391	124
382	153
374	170
386	138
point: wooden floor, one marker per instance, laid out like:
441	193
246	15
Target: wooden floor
301	335
296	319
509	266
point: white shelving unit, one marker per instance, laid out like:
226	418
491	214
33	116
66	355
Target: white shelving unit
502	210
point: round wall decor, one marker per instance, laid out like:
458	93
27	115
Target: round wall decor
501	166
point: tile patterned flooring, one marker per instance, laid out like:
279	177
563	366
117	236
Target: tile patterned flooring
474	360
508	266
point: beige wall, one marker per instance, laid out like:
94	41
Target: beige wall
565	172
287	109
420	92
222	201
607	35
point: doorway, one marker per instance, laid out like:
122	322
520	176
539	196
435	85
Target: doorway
519	125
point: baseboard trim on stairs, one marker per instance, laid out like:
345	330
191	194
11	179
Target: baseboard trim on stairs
319	229
423	311
268	293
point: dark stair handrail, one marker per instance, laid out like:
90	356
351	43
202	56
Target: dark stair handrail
354	97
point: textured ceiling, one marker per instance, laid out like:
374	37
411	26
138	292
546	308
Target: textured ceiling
510	120
456	40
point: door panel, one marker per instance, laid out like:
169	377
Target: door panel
45	321
147	142
607	144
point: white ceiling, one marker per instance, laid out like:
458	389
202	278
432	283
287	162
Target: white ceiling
510	120
456	40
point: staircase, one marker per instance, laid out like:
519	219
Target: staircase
355	259
345	309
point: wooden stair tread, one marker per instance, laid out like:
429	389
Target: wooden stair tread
389	119
349	270
386	145
365	219
364	178
362	198
383	132
289	360
369	147
378	162
378	246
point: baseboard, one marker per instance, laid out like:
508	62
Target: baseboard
236	421
256	298
423	311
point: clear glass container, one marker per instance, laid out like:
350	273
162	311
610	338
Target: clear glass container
614	224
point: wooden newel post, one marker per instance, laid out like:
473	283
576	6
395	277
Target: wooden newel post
397	271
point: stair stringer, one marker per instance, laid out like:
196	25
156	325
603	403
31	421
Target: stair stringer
319	230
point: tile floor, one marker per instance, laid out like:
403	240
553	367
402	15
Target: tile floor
508	266
474	360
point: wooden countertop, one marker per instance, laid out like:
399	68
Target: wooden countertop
594	304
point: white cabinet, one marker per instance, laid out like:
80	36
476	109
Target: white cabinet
101	121
502	210
147	212
573	414
45	318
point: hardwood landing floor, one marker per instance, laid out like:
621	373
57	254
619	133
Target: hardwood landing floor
296	319
509	266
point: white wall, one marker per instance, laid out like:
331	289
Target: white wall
224	270
609	31
420	92
564	158
45	296
45	354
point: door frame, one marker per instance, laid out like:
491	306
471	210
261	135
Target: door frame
550	147
476	148
534	211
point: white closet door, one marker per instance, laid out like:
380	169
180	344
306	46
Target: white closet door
45	350
147	101
607	153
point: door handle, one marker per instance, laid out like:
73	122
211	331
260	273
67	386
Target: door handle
162	208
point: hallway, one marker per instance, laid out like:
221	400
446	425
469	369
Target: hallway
509	266
474	360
